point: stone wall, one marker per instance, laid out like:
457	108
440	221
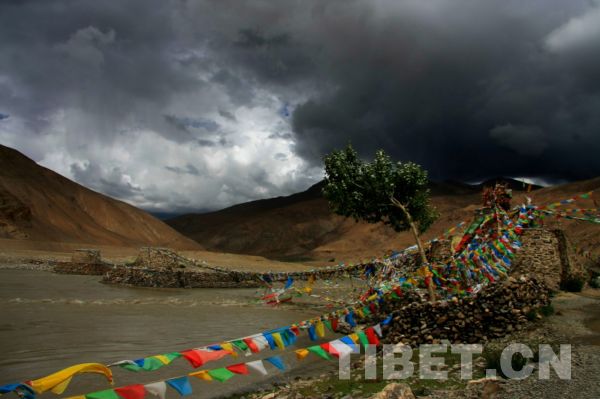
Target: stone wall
545	254
84	261
168	278
85	255
160	258
494	312
90	269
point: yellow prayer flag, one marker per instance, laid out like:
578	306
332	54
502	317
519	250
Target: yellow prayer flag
301	353
59	380
60	388
278	340
354	337
320	328
228	346
202	374
163	359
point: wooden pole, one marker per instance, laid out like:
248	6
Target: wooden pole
413	228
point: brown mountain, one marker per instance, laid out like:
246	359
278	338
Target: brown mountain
301	226
40	205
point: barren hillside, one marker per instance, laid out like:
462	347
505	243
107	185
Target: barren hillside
302	227
40	205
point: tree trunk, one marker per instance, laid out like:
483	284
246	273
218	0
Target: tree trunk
413	228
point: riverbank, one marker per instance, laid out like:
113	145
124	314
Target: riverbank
52	321
28	251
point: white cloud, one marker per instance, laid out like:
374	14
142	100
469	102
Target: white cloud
148	170
578	33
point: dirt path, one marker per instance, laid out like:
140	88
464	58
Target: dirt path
576	322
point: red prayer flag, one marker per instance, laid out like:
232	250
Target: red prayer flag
240	368
371	336
253	347
136	391
372	308
198	357
334	324
330	349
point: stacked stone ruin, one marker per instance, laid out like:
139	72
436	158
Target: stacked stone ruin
497	310
162	267
84	261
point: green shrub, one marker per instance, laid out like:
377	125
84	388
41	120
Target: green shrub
572	284
531	315
421	391
493	358
547	310
595	282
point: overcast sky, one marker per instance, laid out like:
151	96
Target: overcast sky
182	105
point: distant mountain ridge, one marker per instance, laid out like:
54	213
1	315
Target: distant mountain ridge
39	204
301	226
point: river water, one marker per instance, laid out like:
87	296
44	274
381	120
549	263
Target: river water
51	321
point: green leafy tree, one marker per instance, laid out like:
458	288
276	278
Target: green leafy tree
394	193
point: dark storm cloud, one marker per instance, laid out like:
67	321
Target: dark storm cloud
468	88
280	156
189	169
185	123
254	38
227	115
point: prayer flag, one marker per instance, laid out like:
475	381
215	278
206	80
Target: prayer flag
317	350
301	353
181	385
258	366
202	375
136	391
157	389
221	374
106	394
276	361
239	368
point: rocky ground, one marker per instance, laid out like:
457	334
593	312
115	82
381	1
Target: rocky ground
576	321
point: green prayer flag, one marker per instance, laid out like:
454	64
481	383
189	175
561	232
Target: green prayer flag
241	345
328	325
363	338
317	350
152	363
107	394
221	374
131	367
366	310
172	356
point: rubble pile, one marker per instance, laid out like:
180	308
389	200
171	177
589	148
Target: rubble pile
497	310
84	261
